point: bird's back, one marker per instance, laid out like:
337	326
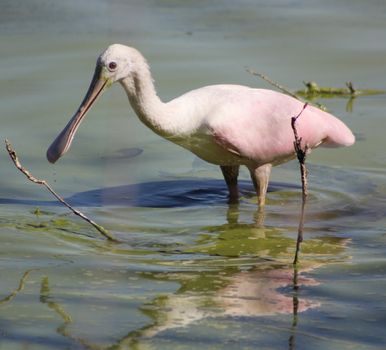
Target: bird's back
256	123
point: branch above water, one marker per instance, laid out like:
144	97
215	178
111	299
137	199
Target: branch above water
44	183
301	153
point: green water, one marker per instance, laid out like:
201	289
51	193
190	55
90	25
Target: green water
190	271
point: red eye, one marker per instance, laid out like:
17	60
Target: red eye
112	65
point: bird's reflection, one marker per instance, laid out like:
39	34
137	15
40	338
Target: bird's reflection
233	214
244	270
257	292
266	288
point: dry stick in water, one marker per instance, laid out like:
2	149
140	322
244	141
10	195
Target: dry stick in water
301	155
16	161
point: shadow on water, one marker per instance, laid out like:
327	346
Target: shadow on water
183	192
157	194
332	193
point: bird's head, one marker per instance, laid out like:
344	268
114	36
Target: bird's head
114	64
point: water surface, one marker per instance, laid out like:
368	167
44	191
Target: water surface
190	271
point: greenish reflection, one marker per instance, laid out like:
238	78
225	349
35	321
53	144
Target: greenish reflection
232	270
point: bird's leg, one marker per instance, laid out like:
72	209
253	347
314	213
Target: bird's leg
231	172
260	179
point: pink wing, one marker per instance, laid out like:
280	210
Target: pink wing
261	129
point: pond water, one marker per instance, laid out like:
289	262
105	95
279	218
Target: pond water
190	271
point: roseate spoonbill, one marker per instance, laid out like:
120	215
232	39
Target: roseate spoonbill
227	125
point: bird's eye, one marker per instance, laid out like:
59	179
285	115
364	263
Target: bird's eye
112	65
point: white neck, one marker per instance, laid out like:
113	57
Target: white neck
143	96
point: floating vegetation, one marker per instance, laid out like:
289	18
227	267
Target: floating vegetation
313	90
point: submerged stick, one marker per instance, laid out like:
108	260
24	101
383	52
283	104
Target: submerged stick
301	155
49	300
295	309
29	176
20	287
46	298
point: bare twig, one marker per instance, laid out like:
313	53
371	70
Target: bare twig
18	165
301	155
275	84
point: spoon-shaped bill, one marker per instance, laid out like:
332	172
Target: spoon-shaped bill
63	141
